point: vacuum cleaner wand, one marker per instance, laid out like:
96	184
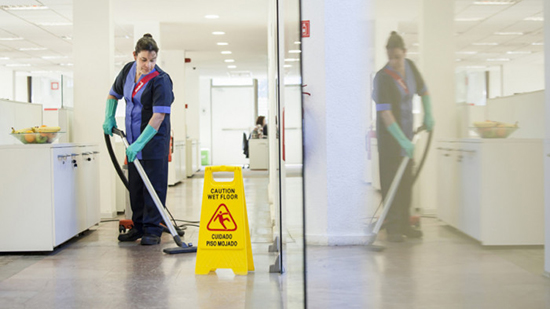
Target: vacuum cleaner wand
182	247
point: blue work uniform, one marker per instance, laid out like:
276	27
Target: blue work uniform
156	96
395	93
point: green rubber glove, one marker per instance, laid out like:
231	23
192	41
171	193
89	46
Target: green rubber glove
110	122
429	121
138	145
403	141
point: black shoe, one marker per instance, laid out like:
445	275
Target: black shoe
132	235
395	238
150	239
413	233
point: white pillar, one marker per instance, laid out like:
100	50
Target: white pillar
437	66
337	68
547	141
93	52
173	63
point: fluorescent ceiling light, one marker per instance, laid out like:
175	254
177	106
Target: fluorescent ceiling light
469	19
492	2
498	59
229	60
218	33
23	7
509	33
54	24
532	18
53	57
292	60
231	66
4	58
66	64
294	51
18	65
288	65
485	44
537	43
32	48
519	52
297	42
212	16
11	39
222	43
226	52
467	52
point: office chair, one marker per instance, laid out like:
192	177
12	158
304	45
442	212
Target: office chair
245	148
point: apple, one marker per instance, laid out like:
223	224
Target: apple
41	139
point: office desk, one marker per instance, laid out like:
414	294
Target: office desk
258	153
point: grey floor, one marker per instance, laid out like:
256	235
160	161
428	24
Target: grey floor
444	270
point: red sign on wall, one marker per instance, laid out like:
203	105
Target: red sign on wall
55	86
305	29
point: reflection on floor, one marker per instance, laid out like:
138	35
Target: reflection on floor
96	271
444	270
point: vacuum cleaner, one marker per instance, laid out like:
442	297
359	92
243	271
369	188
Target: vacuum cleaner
182	246
387	201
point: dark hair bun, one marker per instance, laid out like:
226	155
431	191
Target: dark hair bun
147	35
393	33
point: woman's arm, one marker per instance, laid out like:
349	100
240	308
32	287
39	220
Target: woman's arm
156	120
387	117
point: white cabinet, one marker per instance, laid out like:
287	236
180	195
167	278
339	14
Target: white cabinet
492	190
258	150
176	173
49	195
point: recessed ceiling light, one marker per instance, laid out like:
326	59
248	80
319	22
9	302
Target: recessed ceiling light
498	59
18	65
537	43
218	33
291	60
23	7
229	60
212	16
11	39
4	58
226	52
66	64
231	66
288	65
32	48
509	33
469	19
466	52
222	43
297	42
54	24
485	44
493	2
533	18
294	51
517	52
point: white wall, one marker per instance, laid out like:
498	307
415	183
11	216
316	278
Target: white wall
521	77
6	80
21	88
205	121
192	99
173	63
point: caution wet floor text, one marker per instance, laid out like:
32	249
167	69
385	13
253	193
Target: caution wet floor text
224	235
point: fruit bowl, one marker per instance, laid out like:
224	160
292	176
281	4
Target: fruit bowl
37	138
494	132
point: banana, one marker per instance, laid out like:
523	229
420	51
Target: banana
47	129
13	131
484	124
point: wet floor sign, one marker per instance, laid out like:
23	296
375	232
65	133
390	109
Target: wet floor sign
224	236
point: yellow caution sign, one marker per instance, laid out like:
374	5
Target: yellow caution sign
224	236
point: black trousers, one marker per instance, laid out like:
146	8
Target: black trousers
397	220
146	217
